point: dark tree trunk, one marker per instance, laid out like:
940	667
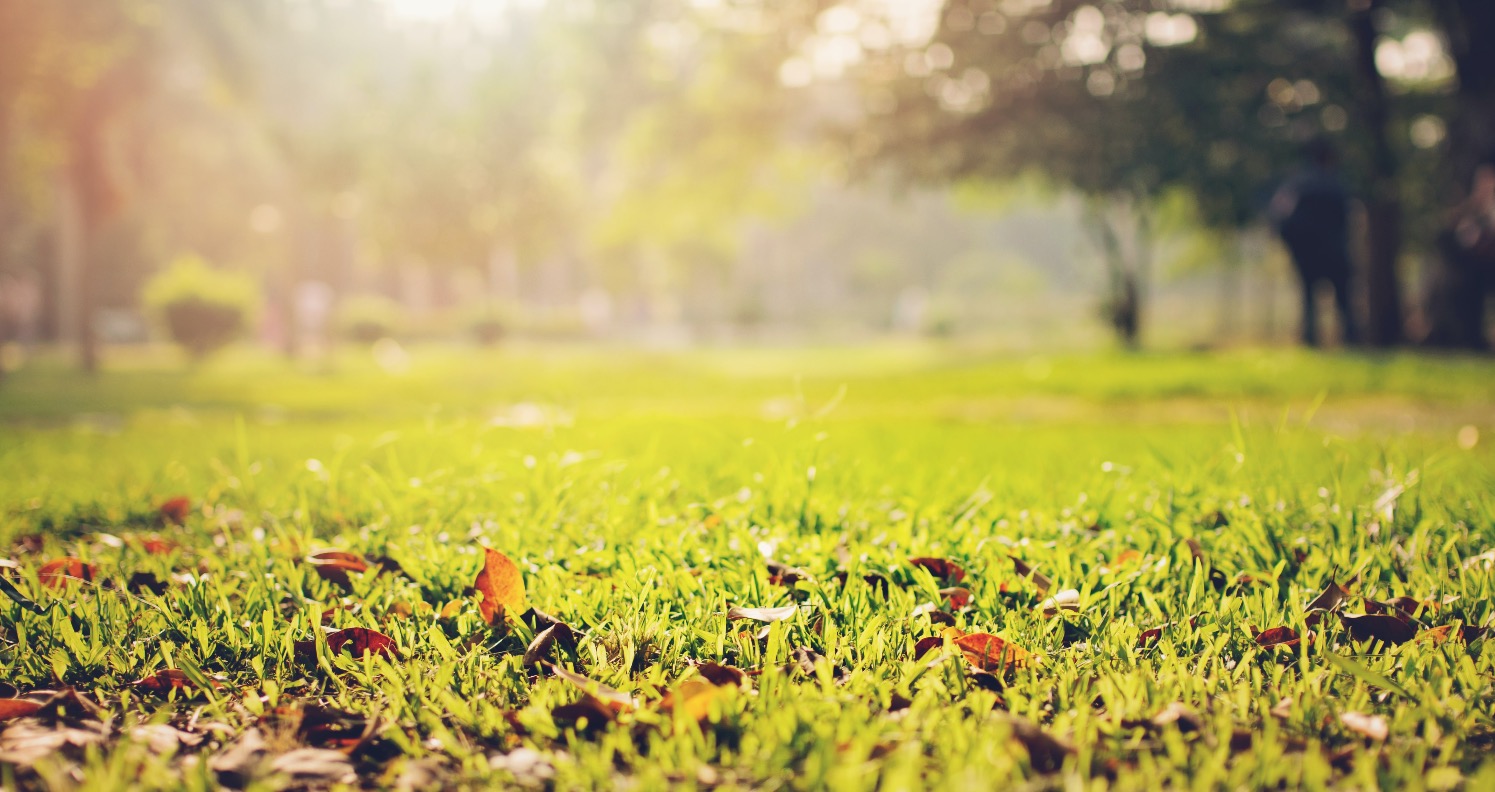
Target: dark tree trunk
1383	205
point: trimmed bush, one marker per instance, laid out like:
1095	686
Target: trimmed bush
366	318
202	309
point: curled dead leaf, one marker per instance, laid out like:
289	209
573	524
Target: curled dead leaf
1329	599
1278	636
166	680
1066	600
546	639
615	700
1046	753
956	597
725	675
765	615
1041	581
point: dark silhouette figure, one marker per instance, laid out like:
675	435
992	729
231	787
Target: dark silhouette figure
1312	214
1467	245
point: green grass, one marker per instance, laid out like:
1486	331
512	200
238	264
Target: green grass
640	493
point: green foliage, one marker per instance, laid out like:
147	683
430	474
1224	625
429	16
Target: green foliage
201	308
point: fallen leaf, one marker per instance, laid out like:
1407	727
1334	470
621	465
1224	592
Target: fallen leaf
957	597
164	681
236	765
29	741
1149	636
162	738
146	581
1066	600
155	545
18	708
1180	715
781	574
360	641
1329	599
616	700
1278	636
724	675
315	764
589	714
990	653
1377	627
926	645
762	614
941	568
329	727
175	510
693	699
500	585
65	571
336	566
1283	709
1045	751
1041	581
1435	636
539	649
1370	726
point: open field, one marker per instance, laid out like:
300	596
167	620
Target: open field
1165	509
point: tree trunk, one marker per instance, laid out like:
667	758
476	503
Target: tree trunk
1383	206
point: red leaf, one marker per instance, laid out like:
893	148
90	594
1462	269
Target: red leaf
18	708
360	641
175	510
941	568
723	675
1278	636
926	645
65	571
155	545
1149	636
957	597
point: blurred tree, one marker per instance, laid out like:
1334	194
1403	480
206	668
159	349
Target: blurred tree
1126	99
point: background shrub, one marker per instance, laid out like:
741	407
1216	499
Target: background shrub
201	309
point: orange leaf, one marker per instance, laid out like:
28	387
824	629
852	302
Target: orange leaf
175	510
155	545
65	571
501	586
17	708
360	641
941	568
693	698
990	653
1436	635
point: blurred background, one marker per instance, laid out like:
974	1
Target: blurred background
1026	174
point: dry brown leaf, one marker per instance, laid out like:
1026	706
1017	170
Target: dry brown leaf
539	649
1283	709
28	741
1180	715
943	569
360	641
1329	599
1278	636
765	615
337	566
165	680
956	597
1041	581
1371	726
1045	751
588	713
308	765
693	699
1066	600
1377	627
725	675
162	738
500	585
616	700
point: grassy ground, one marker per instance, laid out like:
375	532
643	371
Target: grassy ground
642	496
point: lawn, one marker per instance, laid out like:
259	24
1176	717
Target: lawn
1119	555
